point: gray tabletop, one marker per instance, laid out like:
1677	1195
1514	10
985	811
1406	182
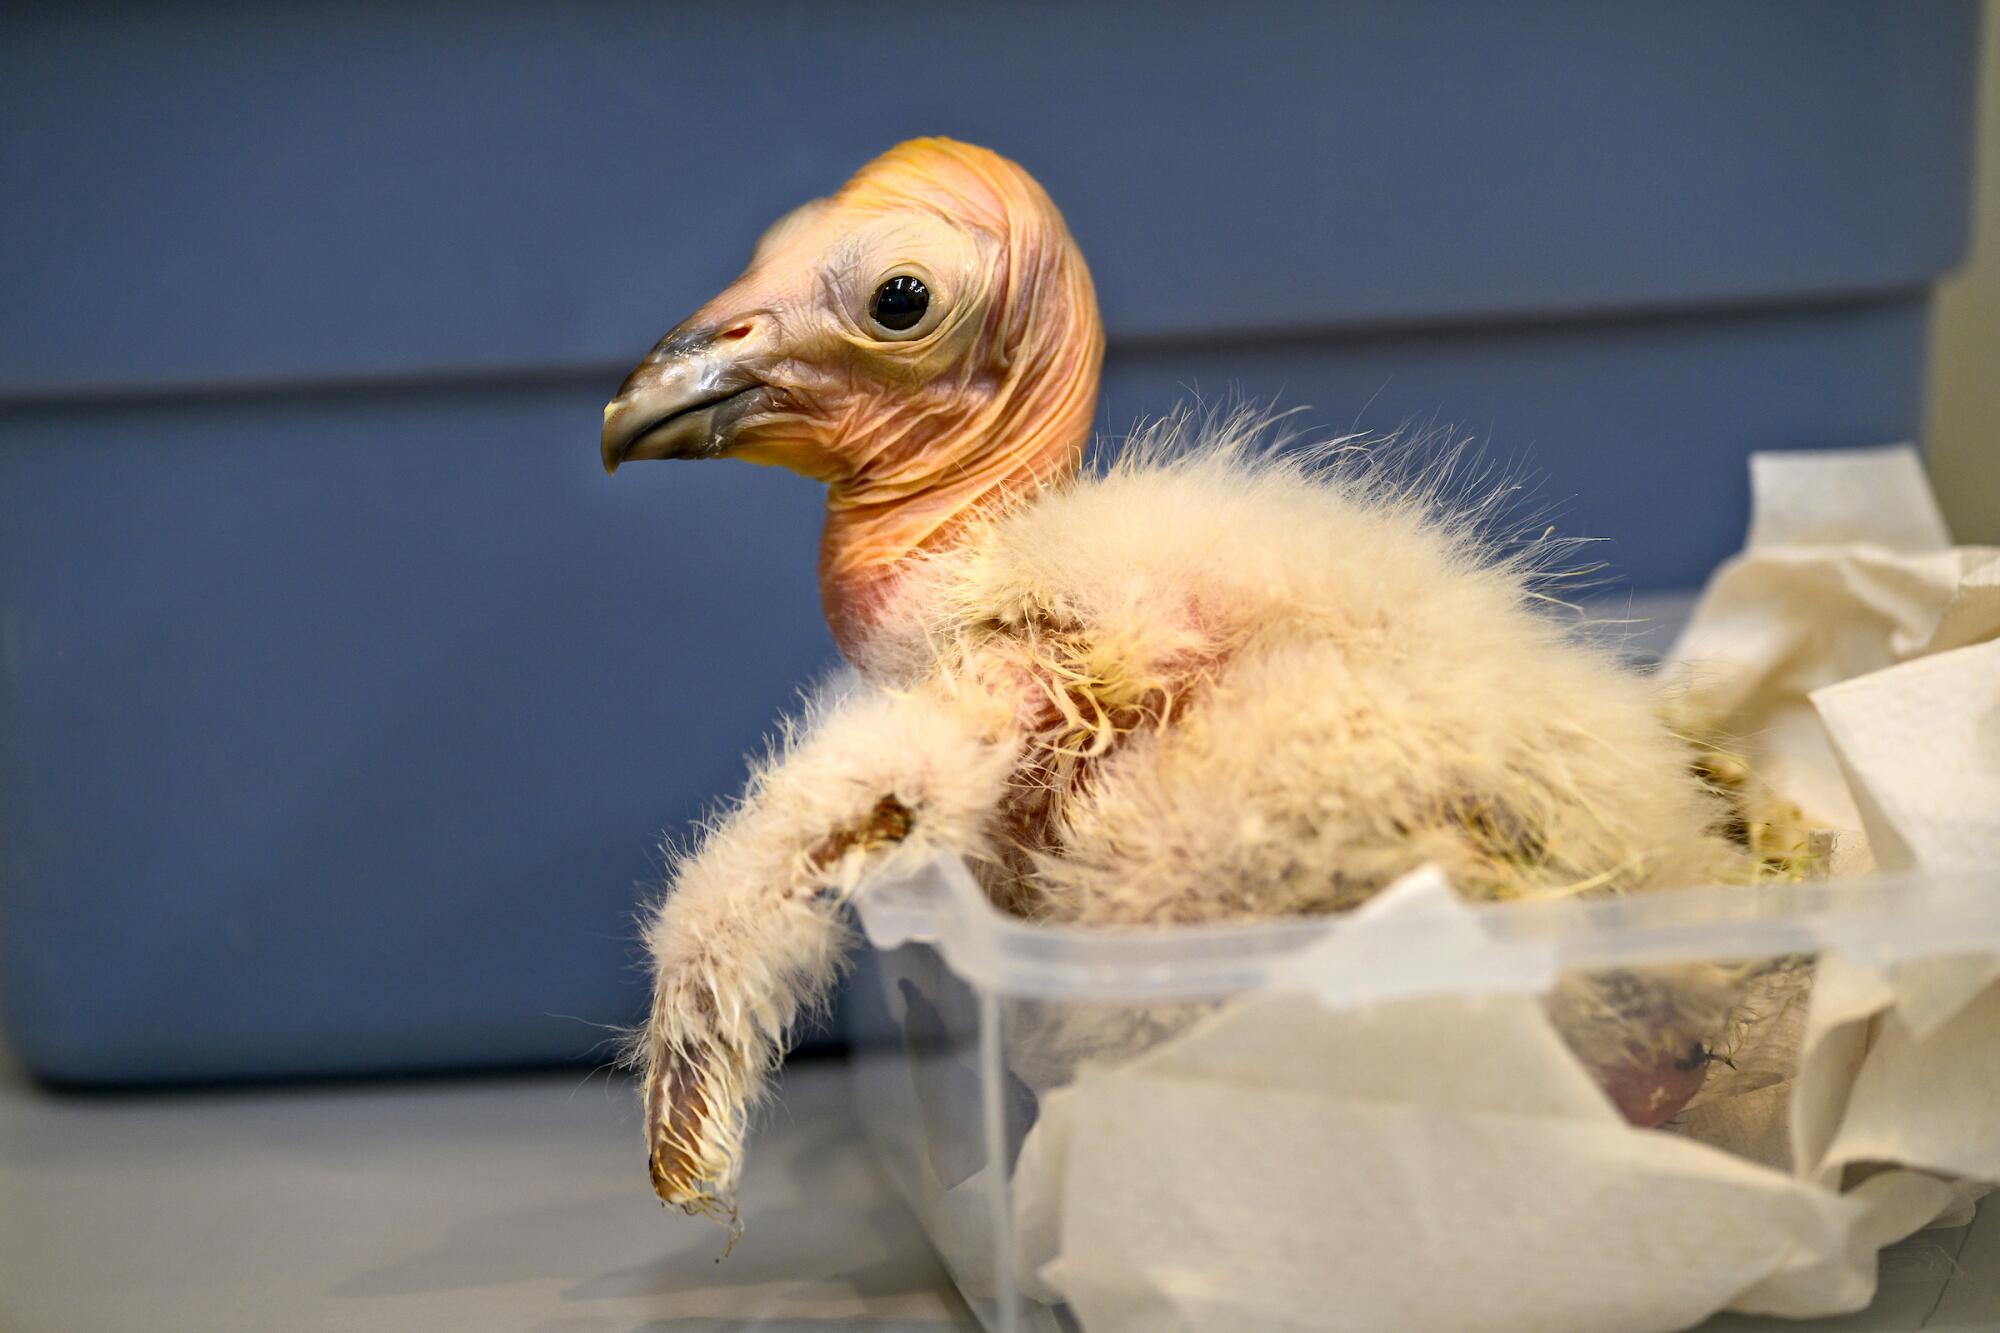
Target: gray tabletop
488	1204
521	1203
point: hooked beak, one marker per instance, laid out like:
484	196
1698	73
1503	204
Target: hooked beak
684	400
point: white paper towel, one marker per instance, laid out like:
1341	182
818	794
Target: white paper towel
1848	571
1442	1161
1919	747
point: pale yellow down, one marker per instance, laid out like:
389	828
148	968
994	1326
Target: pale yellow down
1204	682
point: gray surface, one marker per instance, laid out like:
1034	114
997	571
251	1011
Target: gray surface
477	1205
519	1203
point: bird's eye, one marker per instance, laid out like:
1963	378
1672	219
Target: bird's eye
899	304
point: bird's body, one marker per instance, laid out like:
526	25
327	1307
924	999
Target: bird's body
1207	681
1242	684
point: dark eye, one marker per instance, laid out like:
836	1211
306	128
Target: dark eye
899	304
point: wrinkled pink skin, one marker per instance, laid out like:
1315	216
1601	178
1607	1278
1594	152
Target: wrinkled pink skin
913	437
1649	1095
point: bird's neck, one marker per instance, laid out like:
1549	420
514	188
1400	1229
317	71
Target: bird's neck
919	497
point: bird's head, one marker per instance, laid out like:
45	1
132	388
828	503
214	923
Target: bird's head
925	341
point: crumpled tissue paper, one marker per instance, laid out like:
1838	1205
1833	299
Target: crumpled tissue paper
1848	573
1442	1161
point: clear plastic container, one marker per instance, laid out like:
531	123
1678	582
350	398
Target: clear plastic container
975	1030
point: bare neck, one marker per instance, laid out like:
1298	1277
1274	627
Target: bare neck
876	527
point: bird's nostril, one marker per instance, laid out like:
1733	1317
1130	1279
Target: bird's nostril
732	334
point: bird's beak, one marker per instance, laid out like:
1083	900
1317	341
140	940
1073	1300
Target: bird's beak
685	400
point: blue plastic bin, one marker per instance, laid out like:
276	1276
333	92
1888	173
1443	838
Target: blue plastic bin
343	698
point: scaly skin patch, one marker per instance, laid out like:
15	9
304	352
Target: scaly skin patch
889	821
679	1114
1773	830
690	1124
696	1093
